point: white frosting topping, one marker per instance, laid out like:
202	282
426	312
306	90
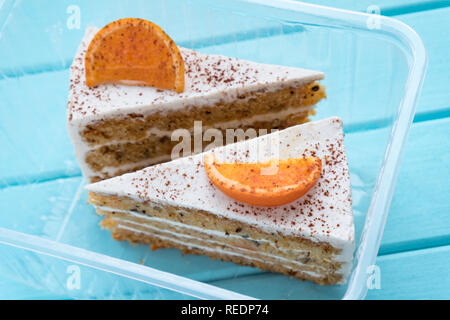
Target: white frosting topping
220	125
208	80
324	214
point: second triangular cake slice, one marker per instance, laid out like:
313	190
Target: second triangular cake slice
175	205
117	128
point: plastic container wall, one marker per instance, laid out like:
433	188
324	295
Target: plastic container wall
374	68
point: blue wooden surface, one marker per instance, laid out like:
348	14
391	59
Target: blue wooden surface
415	249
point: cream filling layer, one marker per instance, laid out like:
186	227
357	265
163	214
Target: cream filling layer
207	232
232	124
216	233
112	171
218	250
83	148
343	257
219	243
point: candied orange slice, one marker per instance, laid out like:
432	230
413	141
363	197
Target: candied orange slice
271	183
134	51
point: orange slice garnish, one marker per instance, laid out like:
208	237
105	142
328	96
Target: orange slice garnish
271	183
134	52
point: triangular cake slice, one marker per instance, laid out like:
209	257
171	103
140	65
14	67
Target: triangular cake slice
174	204
116	128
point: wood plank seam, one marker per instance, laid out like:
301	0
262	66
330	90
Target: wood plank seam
414	245
392	11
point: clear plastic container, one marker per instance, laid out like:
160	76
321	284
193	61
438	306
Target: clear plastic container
49	236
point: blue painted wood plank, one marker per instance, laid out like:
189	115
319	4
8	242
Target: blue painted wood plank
33	134
419	211
419	274
38	209
419	215
435	94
